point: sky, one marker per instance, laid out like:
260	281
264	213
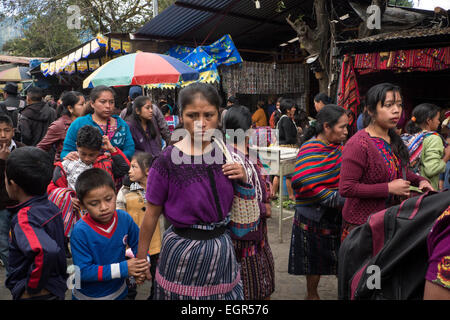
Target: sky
431	4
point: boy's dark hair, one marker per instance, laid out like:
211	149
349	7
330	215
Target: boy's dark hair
6	119
92	179
31	169
35	94
89	137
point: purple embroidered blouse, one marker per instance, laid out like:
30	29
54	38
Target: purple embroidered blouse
184	190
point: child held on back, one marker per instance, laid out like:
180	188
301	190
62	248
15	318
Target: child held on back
90	144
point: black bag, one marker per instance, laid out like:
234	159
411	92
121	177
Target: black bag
394	242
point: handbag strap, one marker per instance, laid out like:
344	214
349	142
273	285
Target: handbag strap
224	149
212	182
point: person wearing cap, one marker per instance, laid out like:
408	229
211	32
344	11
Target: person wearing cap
126	114
12	103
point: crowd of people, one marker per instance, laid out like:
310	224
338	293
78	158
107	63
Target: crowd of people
90	182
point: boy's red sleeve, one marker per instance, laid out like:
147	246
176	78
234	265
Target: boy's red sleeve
36	245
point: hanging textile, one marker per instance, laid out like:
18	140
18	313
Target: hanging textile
102	40
51	68
93	64
115	45
424	60
82	66
126	47
348	97
70	69
86	50
44	69
179	52
224	51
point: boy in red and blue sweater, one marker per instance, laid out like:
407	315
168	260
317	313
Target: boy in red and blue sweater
100	239
37	260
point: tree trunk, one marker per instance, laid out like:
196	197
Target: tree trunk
316	41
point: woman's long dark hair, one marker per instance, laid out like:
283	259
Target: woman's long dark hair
330	114
138	103
377	94
69	99
422	113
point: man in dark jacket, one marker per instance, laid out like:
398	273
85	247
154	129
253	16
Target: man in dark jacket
12	103
35	119
7	144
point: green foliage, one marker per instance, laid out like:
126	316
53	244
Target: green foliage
46	33
402	3
44	36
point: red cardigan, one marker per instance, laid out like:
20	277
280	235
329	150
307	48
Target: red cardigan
364	179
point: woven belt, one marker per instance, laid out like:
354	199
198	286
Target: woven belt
199	234
325	232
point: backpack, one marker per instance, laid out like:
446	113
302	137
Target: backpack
387	258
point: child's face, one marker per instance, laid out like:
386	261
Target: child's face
6	134
88	156
136	174
101	204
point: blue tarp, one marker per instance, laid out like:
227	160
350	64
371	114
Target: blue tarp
223	51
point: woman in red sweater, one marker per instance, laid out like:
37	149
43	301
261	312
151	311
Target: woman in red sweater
374	174
72	107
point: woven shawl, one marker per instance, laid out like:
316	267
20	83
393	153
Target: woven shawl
317	172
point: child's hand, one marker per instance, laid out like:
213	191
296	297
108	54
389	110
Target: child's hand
141	279
106	145
76	203
4	152
137	267
73	156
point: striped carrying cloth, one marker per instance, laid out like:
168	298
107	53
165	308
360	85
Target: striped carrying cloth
62	198
317	172
415	143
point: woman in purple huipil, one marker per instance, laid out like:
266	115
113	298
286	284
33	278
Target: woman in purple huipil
437	284
197	260
143	127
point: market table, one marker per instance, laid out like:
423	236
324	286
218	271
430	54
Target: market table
281	161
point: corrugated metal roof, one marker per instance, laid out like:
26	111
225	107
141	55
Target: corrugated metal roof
418	37
18	60
200	20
